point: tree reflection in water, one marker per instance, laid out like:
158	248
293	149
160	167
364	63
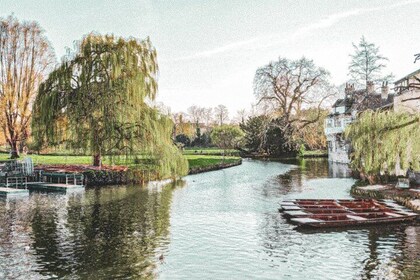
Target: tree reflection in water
113	232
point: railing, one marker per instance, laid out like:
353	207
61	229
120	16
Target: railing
68	179
336	125
16	182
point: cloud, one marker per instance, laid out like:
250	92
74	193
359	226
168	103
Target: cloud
262	42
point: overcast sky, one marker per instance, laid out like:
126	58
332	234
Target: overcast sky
208	50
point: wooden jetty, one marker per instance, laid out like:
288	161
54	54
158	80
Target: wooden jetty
45	186
8	192
323	213
16	177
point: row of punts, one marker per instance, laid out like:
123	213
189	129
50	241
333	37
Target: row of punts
327	213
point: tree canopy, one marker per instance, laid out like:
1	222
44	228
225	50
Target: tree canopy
286	88
384	142
227	136
99	100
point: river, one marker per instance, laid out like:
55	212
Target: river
216	225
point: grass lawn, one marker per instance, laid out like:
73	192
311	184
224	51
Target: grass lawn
316	153
194	160
198	161
209	151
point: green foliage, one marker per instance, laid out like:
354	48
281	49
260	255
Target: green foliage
301	150
97	101
227	136
273	137
279	138
183	139
199	161
254	129
382	141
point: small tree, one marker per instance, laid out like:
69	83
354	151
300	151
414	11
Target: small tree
183	139
367	63
26	57
227	137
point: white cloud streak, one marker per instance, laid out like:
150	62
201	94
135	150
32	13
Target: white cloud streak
261	41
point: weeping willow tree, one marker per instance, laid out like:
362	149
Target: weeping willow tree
384	143
98	100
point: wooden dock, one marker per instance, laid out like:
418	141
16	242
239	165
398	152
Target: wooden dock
53	186
8	192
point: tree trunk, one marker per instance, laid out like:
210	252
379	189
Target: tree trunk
97	161
14	153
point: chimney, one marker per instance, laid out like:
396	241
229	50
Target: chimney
348	90
384	91
370	87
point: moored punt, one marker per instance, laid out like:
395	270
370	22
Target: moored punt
351	220
338	213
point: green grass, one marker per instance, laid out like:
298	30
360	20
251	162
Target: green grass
199	161
57	159
194	160
316	153
209	151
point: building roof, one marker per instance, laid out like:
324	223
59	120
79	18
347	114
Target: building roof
360	101
408	76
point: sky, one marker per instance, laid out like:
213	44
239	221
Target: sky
208	51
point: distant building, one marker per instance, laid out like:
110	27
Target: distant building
407	91
344	111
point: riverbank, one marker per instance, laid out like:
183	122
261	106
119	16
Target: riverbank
407	197
226	163
108	174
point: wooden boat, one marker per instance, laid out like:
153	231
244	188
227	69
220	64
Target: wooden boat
347	212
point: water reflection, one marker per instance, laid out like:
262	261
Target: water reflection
221	225
109	232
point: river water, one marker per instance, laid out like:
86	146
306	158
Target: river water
216	225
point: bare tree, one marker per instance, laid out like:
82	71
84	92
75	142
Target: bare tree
208	116
196	114
287	87
367	64
221	114
26	57
241	116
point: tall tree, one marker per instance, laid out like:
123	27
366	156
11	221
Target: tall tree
26	57
286	87
367	63
221	114
102	91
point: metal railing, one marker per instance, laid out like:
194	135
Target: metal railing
16	182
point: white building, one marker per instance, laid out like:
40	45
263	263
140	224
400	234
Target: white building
345	110
408	93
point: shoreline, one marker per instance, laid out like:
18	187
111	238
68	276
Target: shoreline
410	198
198	170
106	176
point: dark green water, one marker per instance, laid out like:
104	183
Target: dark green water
216	225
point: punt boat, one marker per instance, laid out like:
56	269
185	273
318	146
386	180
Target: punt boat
323	213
